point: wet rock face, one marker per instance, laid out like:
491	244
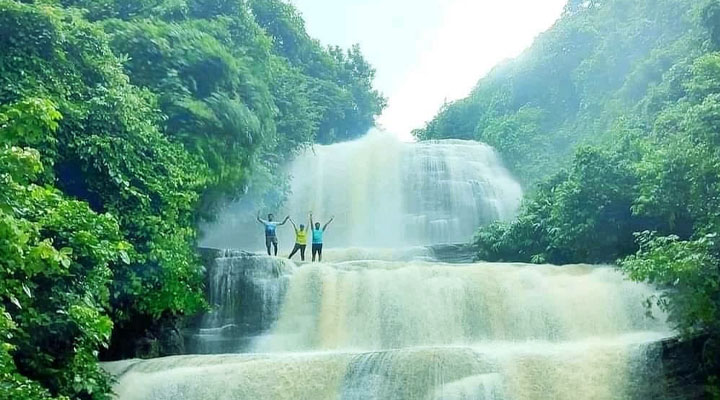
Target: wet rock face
685	369
244	292
170	338
453	253
164	338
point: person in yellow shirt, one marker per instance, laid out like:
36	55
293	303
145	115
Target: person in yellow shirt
300	240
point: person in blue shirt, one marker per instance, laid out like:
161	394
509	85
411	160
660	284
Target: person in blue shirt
271	231
317	237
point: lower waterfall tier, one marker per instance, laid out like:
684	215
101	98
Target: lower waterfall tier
622	367
402	326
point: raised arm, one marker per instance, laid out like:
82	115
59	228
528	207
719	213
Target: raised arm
328	223
312	225
293	224
260	220
285	220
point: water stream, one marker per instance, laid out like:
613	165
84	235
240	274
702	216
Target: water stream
384	193
396	323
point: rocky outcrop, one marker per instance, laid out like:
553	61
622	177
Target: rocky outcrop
163	338
244	291
685	369
453	253
167	336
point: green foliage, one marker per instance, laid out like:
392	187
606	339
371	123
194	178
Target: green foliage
122	124
112	154
650	105
13	385
711	20
661	176
583	215
55	258
689	270
245	81
339	84
567	90
28	122
519	134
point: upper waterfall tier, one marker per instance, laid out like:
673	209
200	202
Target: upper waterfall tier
385	193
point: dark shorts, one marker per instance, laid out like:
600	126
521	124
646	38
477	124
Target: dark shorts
270	239
317	247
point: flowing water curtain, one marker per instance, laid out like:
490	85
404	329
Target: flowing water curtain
385	193
391	194
420	330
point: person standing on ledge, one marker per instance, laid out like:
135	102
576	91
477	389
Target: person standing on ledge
300	240
271	231
317	237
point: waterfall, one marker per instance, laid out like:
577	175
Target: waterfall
245	292
385	193
376	305
382	318
414	329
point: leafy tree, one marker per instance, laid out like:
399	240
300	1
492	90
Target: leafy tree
122	125
565	91
55	270
689	269
711	20
689	273
647	193
340	83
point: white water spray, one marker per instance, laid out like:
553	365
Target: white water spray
385	193
418	330
397	323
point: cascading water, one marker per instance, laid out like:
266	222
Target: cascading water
397	324
388	194
385	193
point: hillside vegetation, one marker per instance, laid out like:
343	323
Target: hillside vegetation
122	124
599	63
612	120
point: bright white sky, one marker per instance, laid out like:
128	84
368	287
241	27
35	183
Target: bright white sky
428	51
